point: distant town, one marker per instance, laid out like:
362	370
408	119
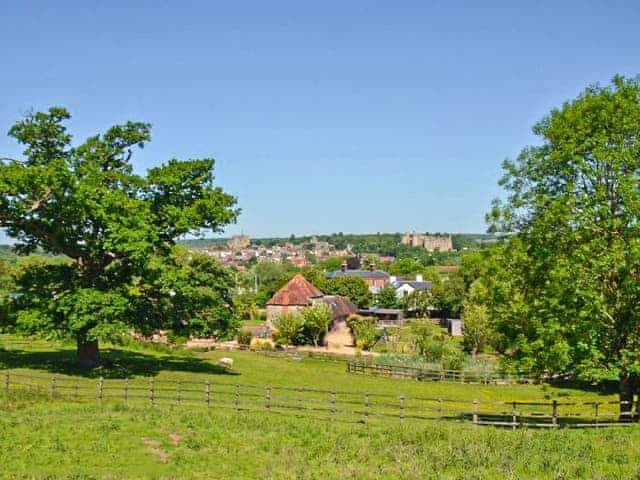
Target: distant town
241	251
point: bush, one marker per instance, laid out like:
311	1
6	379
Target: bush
430	343
288	328
263	345
244	336
363	330
175	338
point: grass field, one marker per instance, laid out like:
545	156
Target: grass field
55	438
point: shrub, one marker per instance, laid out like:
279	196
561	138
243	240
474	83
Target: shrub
244	336
176	338
288	328
263	345
363	330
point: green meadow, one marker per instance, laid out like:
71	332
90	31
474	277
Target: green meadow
43	437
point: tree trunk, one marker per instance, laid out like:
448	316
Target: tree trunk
88	354
628	387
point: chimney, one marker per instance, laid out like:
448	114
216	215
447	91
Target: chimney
419	277
343	266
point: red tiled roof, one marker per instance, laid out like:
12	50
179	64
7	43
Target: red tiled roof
299	291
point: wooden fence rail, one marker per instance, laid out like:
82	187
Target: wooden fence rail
331	405
425	374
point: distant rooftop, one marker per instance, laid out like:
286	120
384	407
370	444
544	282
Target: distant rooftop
358	273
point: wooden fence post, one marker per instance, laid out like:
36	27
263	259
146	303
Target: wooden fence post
6	382
207	393
179	392
237	397
439	409
152	391
333	404
100	388
401	409
267	398
53	387
475	411
514	414
366	408
126	389
554	415
595	406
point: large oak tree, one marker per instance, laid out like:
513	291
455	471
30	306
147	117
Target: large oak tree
114	231
567	286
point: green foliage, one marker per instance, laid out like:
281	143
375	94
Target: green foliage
288	328
386	298
316	322
449	295
305	327
354	288
364	331
244	336
434	346
477	326
569	273
271	277
115	231
246	305
417	303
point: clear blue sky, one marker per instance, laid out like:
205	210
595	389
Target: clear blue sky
323	116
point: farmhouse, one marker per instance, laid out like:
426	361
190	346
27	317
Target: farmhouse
299	293
376	279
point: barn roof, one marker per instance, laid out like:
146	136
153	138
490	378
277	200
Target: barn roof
341	306
298	291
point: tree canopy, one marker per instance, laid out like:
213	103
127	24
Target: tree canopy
566	290
115	232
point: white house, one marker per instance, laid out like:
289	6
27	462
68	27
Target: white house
406	287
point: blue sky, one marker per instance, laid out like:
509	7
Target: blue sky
322	116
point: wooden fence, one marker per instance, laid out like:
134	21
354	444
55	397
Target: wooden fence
330	405
424	374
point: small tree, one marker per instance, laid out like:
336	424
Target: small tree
477	330
317	319
386	298
288	328
244	337
364	332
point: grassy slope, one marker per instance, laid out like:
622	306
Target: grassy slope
84	440
56	439
253	368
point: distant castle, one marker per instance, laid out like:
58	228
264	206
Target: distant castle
238	242
442	243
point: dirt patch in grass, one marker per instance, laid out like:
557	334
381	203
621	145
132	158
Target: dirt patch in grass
150	442
175	438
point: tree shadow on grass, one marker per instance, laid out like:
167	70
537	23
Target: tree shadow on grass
118	363
604	387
